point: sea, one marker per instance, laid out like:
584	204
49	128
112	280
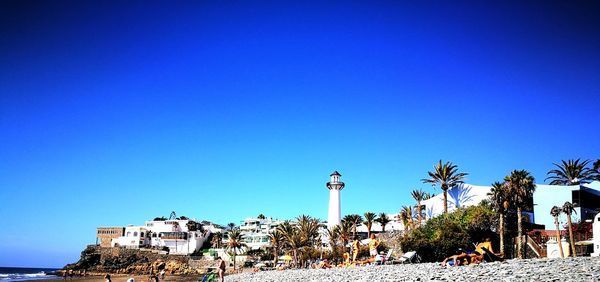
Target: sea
24	273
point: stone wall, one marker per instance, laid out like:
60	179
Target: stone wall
104	235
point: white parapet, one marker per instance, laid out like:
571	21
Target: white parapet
553	251
596	234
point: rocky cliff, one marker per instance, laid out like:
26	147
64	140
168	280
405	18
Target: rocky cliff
96	259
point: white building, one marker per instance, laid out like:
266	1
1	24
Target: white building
394	225
462	195
585	198
255	232
180	236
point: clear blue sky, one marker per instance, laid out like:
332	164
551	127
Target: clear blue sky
112	113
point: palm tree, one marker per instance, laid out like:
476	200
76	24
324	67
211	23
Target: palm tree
345	232
276	239
447	176
231	225
520	185
235	243
406	216
568	209
261	216
427	196
333	233
499	200
596	170
383	219
571	172
369	218
418	195
309	228
293	238
355	220
555	212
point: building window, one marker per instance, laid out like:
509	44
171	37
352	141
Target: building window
135	234
142	234
128	234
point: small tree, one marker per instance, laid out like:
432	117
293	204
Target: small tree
235	244
355	220
568	209
419	196
369	218
447	176
383	219
555	212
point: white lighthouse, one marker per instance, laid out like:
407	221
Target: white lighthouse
334	186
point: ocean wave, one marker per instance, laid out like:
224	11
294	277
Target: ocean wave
24	276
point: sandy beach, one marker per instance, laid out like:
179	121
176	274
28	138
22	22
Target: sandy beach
569	269
124	278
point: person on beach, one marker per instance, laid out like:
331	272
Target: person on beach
373	244
70	274
456	260
221	268
64	275
355	247
107	278
324	264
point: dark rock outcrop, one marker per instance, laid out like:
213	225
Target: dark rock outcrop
99	260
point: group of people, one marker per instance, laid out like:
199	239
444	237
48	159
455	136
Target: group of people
350	258
483	251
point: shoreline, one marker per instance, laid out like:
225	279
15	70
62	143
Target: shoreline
544	269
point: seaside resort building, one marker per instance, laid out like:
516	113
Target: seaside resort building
255	232
179	236
585	198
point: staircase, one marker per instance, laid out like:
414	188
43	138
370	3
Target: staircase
538	250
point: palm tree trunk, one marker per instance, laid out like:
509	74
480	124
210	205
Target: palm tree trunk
501	229
295	258
369	230
419	212
562	255
234	260
519	234
445	201
573	251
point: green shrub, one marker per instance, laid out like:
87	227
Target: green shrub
442	236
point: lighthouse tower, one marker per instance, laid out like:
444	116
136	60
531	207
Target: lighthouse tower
334	186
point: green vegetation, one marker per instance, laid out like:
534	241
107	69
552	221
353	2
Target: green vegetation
383	219
520	185
443	235
369	219
572	172
234	243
